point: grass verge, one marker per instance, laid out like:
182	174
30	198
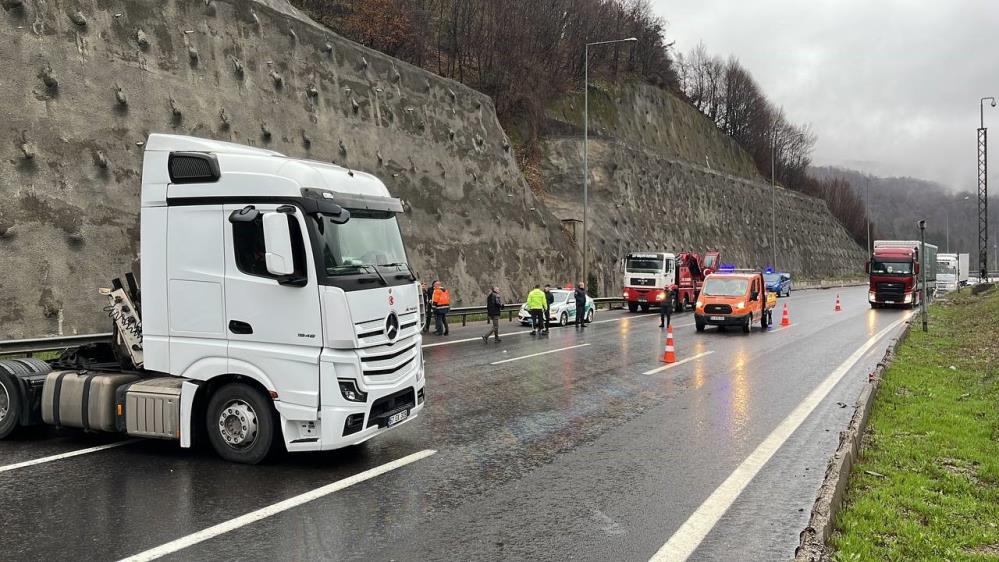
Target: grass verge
927	484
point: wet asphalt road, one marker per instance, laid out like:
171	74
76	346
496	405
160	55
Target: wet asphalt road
570	455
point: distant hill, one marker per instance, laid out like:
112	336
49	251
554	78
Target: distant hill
896	204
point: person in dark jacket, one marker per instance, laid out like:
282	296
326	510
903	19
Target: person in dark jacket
494	308
666	308
550	297
580	294
428	293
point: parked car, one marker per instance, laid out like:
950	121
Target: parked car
562	311
779	283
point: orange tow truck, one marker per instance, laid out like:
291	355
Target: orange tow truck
734	298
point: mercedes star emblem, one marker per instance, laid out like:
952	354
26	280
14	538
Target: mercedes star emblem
392	326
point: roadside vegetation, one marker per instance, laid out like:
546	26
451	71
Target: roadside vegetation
927	484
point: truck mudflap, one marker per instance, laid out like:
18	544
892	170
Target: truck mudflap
82	399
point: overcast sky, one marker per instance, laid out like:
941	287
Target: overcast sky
890	87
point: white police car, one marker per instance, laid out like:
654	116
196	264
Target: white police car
562	311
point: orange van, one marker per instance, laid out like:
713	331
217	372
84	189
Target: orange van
734	299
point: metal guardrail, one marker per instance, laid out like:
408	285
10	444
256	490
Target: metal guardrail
29	347
511	309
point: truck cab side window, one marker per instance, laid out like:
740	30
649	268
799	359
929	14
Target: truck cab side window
248	244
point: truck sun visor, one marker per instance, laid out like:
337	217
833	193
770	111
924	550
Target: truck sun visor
355	200
193	167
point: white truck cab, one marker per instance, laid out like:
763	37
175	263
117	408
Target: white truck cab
277	293
647	278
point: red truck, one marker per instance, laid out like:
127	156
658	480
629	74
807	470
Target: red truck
648	276
895	275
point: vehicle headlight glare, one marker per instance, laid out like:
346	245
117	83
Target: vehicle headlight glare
871	296
908	298
699	304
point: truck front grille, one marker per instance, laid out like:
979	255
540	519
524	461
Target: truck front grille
717	309
390	358
642	282
891	289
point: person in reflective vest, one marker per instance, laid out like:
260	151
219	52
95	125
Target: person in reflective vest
441	302
537	305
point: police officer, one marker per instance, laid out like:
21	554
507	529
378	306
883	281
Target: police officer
580	295
666	307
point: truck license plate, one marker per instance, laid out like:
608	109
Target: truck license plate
717	317
889	302
396	418
643	300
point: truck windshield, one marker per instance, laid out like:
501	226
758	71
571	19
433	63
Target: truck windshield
891	267
370	239
717	287
644	264
946	268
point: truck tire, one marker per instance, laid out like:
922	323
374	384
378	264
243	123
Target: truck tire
678	304
746	324
10	404
240	423
765	320
699	325
632	307
645	307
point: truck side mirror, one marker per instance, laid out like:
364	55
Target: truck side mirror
277	244
916	269
867	266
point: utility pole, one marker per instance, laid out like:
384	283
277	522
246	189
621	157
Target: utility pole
867	212
983	191
773	188
586	139
922	269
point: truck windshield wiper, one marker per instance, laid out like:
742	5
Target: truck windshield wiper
412	274
376	272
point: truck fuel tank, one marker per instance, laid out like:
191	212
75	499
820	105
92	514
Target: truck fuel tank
84	399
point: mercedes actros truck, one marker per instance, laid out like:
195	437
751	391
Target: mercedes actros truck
277	310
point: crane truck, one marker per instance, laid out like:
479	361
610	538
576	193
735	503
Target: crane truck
277	309
650	277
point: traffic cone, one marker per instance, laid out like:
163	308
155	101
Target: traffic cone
838	307
785	320
668	355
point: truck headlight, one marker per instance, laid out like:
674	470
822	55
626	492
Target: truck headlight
740	305
699	304
908	298
661	295
624	294
349	390
871	296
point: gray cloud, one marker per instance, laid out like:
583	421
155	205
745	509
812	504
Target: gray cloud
890	86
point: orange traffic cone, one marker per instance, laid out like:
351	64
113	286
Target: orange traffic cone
838	307
668	355
785	320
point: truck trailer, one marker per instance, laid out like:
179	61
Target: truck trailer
277	310
896	276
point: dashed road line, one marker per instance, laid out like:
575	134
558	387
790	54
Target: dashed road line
263	513
68	455
507	334
537	354
681	362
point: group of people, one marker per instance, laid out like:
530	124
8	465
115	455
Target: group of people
437	303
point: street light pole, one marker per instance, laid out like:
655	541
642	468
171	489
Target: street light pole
586	140
773	188
867	212
922	269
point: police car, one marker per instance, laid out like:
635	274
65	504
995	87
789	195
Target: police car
562	310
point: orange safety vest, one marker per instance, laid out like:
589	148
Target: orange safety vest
441	297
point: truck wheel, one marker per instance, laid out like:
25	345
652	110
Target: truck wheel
745	325
699	324
765	321
10	404
632	307
563	320
240	424
645	308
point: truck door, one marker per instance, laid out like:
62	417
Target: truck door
274	329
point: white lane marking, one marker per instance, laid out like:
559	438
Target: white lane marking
70	454
505	334
685	541
681	362
263	513
536	354
779	328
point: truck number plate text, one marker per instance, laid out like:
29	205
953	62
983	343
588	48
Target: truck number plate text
396	418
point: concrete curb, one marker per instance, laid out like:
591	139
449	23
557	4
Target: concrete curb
813	539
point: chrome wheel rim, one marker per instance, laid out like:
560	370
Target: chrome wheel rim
238	424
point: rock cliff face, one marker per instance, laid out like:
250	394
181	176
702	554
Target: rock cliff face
663	178
84	82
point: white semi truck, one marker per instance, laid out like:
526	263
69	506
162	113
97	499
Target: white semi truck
277	308
952	271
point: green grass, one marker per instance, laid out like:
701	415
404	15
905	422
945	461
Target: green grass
44	355
927	484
